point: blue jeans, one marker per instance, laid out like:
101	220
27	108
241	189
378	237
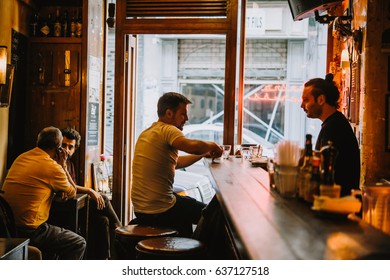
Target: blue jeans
55	242
186	212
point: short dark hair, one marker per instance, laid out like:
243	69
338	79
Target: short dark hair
170	100
327	87
72	134
49	138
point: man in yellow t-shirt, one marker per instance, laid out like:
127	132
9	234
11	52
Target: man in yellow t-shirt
155	160
32	181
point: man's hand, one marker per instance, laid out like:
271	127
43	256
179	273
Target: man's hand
61	157
216	151
61	197
98	198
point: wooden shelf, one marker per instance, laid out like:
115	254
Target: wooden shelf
55	40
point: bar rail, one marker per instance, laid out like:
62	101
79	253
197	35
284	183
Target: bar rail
265	225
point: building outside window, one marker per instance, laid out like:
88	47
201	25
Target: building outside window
280	56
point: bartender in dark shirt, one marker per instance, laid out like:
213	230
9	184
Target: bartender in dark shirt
320	100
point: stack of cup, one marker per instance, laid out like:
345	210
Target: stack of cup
286	168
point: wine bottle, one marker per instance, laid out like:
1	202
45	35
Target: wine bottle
57	25
44	28
315	180
79	24
305	169
328	155
50	24
34	26
73	26
64	25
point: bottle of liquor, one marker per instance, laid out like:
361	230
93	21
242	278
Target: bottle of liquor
305	169
328	155
57	25
315	179
79	24
34	26
64	25
50	24
44	29
73	26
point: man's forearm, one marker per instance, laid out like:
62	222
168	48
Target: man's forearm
185	161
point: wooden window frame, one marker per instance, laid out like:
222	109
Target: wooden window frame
132	26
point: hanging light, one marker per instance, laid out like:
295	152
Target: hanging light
3	65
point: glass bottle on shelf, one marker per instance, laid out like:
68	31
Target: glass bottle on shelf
44	29
64	25
57	25
50	24
73	25
79	24
34	24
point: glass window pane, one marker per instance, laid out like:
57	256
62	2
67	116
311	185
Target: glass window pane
193	65
280	56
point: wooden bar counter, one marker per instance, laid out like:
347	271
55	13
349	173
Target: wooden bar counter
265	225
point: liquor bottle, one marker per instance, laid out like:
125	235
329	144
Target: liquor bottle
315	179
328	156
305	169
73	26
34	26
44	29
57	25
64	25
50	24
79	24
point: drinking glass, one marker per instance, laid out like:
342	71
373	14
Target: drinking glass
256	151
226	151
246	153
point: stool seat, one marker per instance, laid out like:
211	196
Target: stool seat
170	248
129	235
141	231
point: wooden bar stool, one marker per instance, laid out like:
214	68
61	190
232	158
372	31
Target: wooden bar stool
170	248
128	236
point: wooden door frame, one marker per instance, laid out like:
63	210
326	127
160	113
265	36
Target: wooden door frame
123	149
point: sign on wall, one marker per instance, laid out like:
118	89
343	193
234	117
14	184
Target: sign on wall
255	22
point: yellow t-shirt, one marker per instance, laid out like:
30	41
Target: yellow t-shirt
30	185
154	166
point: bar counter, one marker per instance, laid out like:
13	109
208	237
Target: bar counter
264	225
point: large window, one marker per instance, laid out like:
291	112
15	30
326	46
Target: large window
192	65
280	55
